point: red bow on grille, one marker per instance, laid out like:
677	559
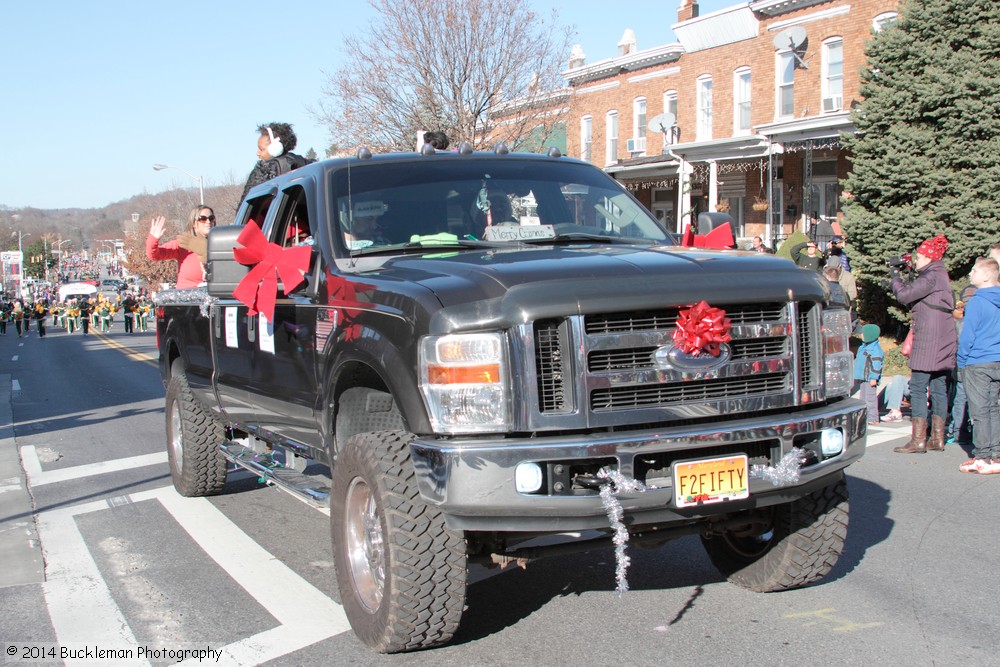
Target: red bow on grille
701	329
259	288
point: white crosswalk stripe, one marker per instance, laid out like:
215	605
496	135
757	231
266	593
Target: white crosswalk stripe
84	612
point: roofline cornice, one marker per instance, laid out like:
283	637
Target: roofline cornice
613	66
775	7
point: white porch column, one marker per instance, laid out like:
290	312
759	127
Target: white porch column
683	193
713	185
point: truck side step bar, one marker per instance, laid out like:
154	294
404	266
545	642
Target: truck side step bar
313	489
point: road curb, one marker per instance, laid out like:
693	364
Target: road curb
20	550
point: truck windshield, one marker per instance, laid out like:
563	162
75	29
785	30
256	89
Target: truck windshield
503	200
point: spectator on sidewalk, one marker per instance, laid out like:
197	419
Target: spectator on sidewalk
897	387
935	341
960	425
807	256
758	246
868	369
837	250
979	366
848	282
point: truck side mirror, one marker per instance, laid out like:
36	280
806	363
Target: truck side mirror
223	272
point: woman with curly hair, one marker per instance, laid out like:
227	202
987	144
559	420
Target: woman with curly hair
275	141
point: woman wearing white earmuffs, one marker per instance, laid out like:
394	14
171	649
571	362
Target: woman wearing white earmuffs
274	145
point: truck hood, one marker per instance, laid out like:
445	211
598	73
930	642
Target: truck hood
500	288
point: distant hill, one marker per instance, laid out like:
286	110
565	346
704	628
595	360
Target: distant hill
84	226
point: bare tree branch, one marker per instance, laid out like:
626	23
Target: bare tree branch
483	71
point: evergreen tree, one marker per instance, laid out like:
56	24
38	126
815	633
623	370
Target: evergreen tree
926	153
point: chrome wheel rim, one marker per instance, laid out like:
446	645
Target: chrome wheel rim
176	438
364	544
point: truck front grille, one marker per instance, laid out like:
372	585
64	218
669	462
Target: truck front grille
552	365
693	391
605	364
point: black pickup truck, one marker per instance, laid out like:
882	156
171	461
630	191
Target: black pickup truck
459	351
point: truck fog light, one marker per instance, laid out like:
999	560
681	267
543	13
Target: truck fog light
831	441
527	477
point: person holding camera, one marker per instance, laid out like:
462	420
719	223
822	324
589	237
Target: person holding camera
935	342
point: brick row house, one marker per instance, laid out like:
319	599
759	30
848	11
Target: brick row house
757	89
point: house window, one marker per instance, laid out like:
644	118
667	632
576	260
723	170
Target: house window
638	143
586	137
741	101
785	81
611	147
883	21
672	136
704	128
833	75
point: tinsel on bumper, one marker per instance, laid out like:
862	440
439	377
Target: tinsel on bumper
616	484
186	297
784	473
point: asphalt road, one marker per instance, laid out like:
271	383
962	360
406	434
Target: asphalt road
98	552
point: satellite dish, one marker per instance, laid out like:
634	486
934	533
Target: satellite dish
792	38
661	123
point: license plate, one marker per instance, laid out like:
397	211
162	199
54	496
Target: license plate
711	481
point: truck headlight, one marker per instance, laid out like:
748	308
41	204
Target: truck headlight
838	362
464	381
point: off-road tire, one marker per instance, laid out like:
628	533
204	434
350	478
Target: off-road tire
197	467
803	544
401	572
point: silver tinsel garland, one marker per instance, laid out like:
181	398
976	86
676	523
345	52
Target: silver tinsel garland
618	483
786	472
186	297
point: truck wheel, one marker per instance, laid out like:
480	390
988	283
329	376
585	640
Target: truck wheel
197	467
401	572
800	545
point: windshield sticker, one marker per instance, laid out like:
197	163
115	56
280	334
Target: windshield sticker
367	209
519	233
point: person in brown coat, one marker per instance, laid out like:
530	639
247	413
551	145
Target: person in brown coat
935	344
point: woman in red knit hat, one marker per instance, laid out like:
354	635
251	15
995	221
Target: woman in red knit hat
935	343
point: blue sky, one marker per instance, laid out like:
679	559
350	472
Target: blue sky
97	92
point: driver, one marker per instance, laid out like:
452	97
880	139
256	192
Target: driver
364	230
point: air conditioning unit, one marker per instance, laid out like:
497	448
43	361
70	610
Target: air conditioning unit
636	145
832	104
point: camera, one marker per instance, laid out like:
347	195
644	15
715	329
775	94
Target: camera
900	262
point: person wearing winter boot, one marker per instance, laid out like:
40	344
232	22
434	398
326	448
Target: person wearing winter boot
935	343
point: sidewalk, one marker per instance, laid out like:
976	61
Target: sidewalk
20	551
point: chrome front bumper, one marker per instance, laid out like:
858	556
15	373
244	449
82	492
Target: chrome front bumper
472	480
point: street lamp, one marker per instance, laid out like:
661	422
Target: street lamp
60	251
201	188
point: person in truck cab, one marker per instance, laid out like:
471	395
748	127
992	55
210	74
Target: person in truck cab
364	230
275	141
188	249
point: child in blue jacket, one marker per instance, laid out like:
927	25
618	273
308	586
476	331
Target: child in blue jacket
868	369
